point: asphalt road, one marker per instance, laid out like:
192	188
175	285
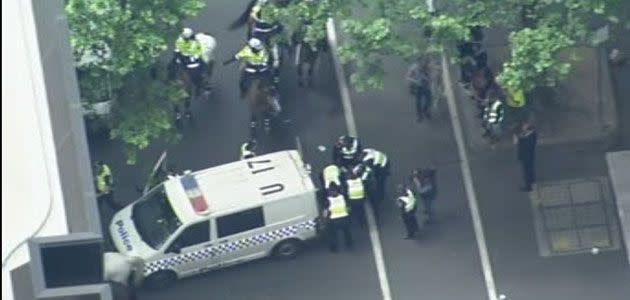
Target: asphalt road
442	264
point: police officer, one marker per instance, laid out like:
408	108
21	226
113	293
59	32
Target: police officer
338	214
408	205
255	63
247	150
104	185
189	53
124	272
356	194
260	27
377	162
493	119
346	151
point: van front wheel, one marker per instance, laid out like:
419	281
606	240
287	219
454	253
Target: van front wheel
287	249
160	279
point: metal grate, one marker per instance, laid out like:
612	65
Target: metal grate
574	217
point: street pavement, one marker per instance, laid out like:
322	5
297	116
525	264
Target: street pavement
219	127
443	263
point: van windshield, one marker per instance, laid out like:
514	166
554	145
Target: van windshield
154	218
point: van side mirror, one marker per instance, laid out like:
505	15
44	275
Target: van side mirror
175	248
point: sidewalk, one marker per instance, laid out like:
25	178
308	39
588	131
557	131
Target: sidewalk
581	109
538	258
520	270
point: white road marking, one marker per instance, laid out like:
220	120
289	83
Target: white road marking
468	184
352	130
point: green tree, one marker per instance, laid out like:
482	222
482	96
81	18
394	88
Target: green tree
541	30
115	43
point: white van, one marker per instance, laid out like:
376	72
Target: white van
220	216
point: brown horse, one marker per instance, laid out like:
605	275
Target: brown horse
262	101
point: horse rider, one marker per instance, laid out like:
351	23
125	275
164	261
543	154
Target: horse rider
264	29
254	60
189	53
260	27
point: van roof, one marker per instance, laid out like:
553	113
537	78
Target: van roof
242	184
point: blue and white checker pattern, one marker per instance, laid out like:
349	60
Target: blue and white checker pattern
272	236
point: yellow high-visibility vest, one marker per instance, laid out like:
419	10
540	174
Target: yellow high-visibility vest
104	179
356	190
331	174
338	207
517	98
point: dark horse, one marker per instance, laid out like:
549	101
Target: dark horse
262	101
306	54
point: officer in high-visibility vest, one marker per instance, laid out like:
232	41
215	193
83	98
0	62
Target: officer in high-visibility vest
254	60
260	27
493	119
378	162
408	206
104	185
189	53
248	150
356	194
338	214
346	151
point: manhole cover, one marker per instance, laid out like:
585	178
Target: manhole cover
574	216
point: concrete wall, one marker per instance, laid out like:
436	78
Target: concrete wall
46	176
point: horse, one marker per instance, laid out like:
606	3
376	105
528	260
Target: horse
306	54
262	100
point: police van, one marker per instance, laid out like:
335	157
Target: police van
221	216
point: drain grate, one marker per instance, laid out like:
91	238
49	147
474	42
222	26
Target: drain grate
574	216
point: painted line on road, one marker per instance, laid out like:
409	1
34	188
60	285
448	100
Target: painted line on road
468	183
352	130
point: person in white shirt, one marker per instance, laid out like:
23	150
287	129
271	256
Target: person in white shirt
122	270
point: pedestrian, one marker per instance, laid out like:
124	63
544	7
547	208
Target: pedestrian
123	273
248	149
526	141
338	215
356	194
407	204
105	186
423	180
346	152
378	162
418	77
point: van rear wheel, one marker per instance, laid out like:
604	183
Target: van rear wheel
287	249
161	279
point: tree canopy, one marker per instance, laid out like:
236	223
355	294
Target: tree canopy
115	43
